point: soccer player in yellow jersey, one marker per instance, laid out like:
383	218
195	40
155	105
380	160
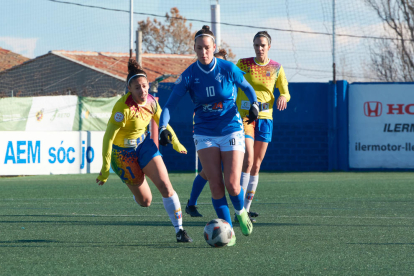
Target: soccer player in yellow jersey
132	153
264	75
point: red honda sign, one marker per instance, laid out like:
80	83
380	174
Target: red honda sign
372	109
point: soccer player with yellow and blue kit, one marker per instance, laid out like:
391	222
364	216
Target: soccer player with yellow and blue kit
264	75
133	154
218	127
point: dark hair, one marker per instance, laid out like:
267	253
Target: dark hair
263	34
221	53
204	31
134	69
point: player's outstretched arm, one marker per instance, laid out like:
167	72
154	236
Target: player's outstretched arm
110	133
165	135
177	146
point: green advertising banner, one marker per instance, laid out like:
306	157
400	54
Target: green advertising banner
93	113
14	113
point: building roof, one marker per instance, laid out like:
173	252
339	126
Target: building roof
8	59
115	64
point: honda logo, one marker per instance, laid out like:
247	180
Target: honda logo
372	109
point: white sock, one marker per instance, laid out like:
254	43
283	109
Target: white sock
251	190
173	207
244	181
238	212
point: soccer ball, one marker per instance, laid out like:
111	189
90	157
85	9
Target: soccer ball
217	233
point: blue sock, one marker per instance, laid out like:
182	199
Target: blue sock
222	209
198	186
238	200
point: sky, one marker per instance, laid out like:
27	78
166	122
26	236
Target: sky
32	28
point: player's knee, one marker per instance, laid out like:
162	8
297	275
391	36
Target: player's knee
246	167
255	168
233	190
247	164
146	203
166	190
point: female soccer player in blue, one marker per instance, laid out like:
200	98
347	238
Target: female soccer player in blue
133	154
218	127
201	179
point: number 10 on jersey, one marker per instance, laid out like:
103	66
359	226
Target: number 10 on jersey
210	91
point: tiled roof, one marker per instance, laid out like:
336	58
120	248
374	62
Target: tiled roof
8	59
115	64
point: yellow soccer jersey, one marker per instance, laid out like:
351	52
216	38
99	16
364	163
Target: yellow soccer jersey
263	78
129	121
132	118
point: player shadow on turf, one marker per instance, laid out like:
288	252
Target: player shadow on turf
187	223
52	243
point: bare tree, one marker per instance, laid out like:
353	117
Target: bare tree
392	57
171	37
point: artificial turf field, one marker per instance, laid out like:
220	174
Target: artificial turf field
309	223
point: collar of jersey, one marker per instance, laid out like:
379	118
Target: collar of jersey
261	64
201	66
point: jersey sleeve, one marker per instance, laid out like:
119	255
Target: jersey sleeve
282	84
119	115
179	90
116	122
236	74
110	133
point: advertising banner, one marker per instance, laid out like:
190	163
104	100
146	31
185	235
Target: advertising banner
14	113
381	126
37	153
52	113
93	113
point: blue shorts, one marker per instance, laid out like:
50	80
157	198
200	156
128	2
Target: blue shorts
259	130
127	163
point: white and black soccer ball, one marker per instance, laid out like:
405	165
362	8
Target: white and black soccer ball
217	233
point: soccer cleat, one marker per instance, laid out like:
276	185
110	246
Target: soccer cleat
253	214
245	223
192	211
182	236
236	220
232	242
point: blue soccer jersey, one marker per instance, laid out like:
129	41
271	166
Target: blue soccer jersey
213	91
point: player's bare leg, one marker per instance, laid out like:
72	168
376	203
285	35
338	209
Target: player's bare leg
142	193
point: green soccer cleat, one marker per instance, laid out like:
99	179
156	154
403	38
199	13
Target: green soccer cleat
236	220
245	223
232	242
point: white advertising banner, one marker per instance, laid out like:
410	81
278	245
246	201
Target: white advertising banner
64	152
381	126
52	113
